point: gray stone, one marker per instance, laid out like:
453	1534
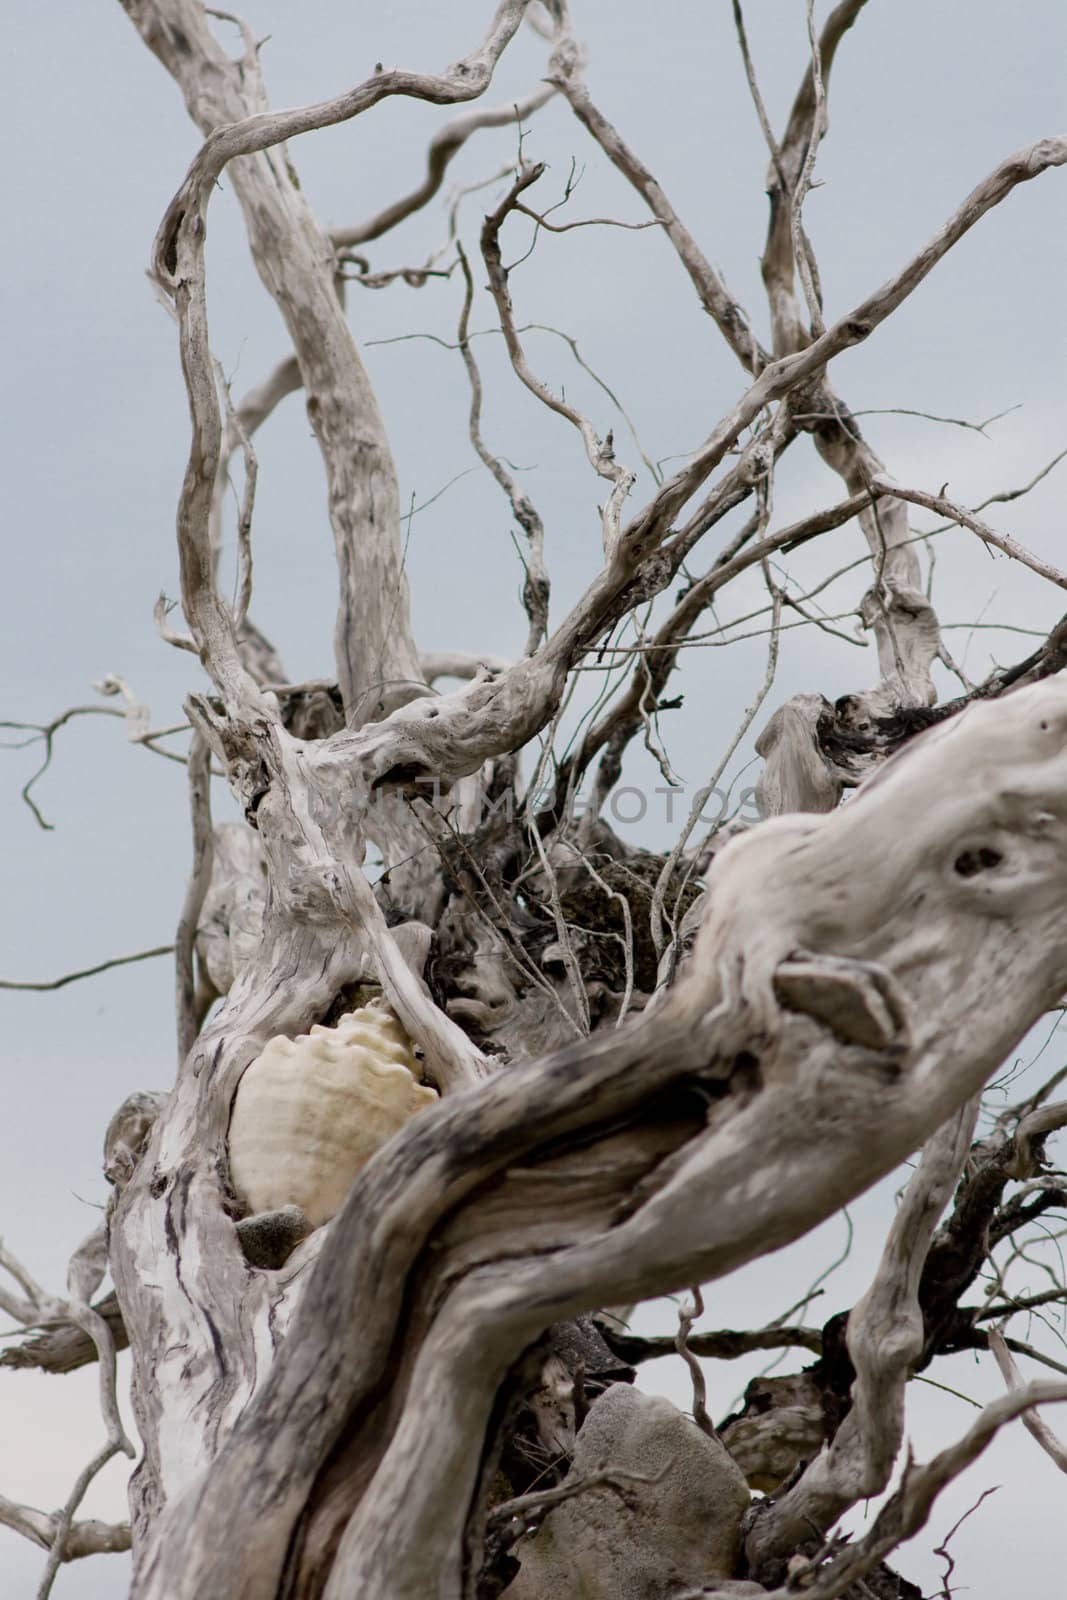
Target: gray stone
674	1534
269	1238
729	1589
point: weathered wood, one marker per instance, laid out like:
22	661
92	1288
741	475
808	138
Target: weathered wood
827	1118
322	1427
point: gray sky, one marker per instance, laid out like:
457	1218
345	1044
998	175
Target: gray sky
926	99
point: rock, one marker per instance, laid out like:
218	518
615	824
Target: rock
674	1534
782	1424
733	1589
269	1239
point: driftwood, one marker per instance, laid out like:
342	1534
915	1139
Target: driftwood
637	1072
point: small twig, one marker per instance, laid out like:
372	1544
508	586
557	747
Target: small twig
528	1509
802	251
541	218
1005	495
414	277
444	146
957	1394
687	1315
89	972
47	732
714	296
656	914
1027	1302
942	1549
536	587
907	411
572	345
757	97
599	452
180	641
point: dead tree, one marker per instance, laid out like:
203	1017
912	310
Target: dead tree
423	1133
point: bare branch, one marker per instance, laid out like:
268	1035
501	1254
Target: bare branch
445	144
572	345
942	1549
657	914
599	452
755	92
787	251
236	428
536	587
688	1313
1016	494
1032	1422
169	635
199	882
885	1341
1025	1302
906	1512
89	1538
63	1522
87	1267
528	1509
458	664
89	972
379	654
896	1030
541	218
464	81
725	1344
948	508
47	731
907	411
451	1057
38	1305
802	251
64	1346
716	299
849	330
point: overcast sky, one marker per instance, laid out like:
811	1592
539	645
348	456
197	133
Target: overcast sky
926	99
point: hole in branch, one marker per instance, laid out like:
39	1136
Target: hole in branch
746	1077
971	862
405	773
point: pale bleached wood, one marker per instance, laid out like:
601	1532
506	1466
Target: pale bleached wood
962	985
885	1341
1034	1424
823	1024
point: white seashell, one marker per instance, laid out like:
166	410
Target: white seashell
310	1112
